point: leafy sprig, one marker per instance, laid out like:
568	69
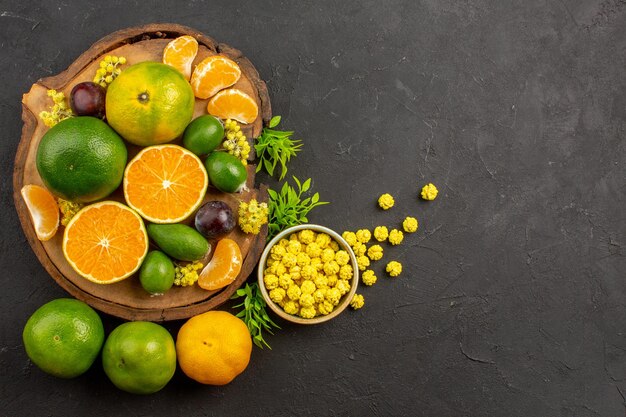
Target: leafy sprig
288	208
254	313
275	147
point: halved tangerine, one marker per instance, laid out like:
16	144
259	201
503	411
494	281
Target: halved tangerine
213	74
105	242
180	54
223	267
165	183
233	104
43	210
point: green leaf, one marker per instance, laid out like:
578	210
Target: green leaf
306	185
297	181
274	122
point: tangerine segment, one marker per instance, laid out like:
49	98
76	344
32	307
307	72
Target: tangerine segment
105	242
43	210
233	104
213	74
223	267
165	183
180	54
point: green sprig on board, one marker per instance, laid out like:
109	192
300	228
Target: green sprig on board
287	208
275	147
254	313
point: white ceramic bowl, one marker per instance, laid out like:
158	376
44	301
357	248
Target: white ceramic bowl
345	299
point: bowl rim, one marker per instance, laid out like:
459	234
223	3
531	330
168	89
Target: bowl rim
346	297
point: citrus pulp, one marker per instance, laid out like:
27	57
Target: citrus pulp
105	242
180	54
233	104
213	74
223	267
43	210
165	183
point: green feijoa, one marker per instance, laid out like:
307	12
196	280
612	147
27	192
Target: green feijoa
226	172
203	134
157	273
179	241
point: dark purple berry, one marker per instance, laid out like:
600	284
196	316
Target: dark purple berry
215	219
87	99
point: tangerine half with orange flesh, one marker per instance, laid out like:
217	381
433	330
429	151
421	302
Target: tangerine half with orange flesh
105	242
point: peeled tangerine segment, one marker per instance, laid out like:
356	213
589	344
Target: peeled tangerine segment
43	210
223	267
214	74
233	104
180	54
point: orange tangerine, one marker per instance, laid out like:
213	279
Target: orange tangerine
165	183
180	54
43	210
214	74
223	267
105	242
233	104
213	347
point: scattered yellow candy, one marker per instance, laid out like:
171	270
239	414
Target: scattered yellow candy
385	201
363	235
359	249
369	278
357	301
429	192
375	252
363	262
410	224
396	237
394	268
349	237
381	233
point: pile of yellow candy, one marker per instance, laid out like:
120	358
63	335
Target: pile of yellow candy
307	273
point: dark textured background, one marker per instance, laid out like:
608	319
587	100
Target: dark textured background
512	298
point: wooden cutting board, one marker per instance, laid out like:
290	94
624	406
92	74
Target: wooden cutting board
127	299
